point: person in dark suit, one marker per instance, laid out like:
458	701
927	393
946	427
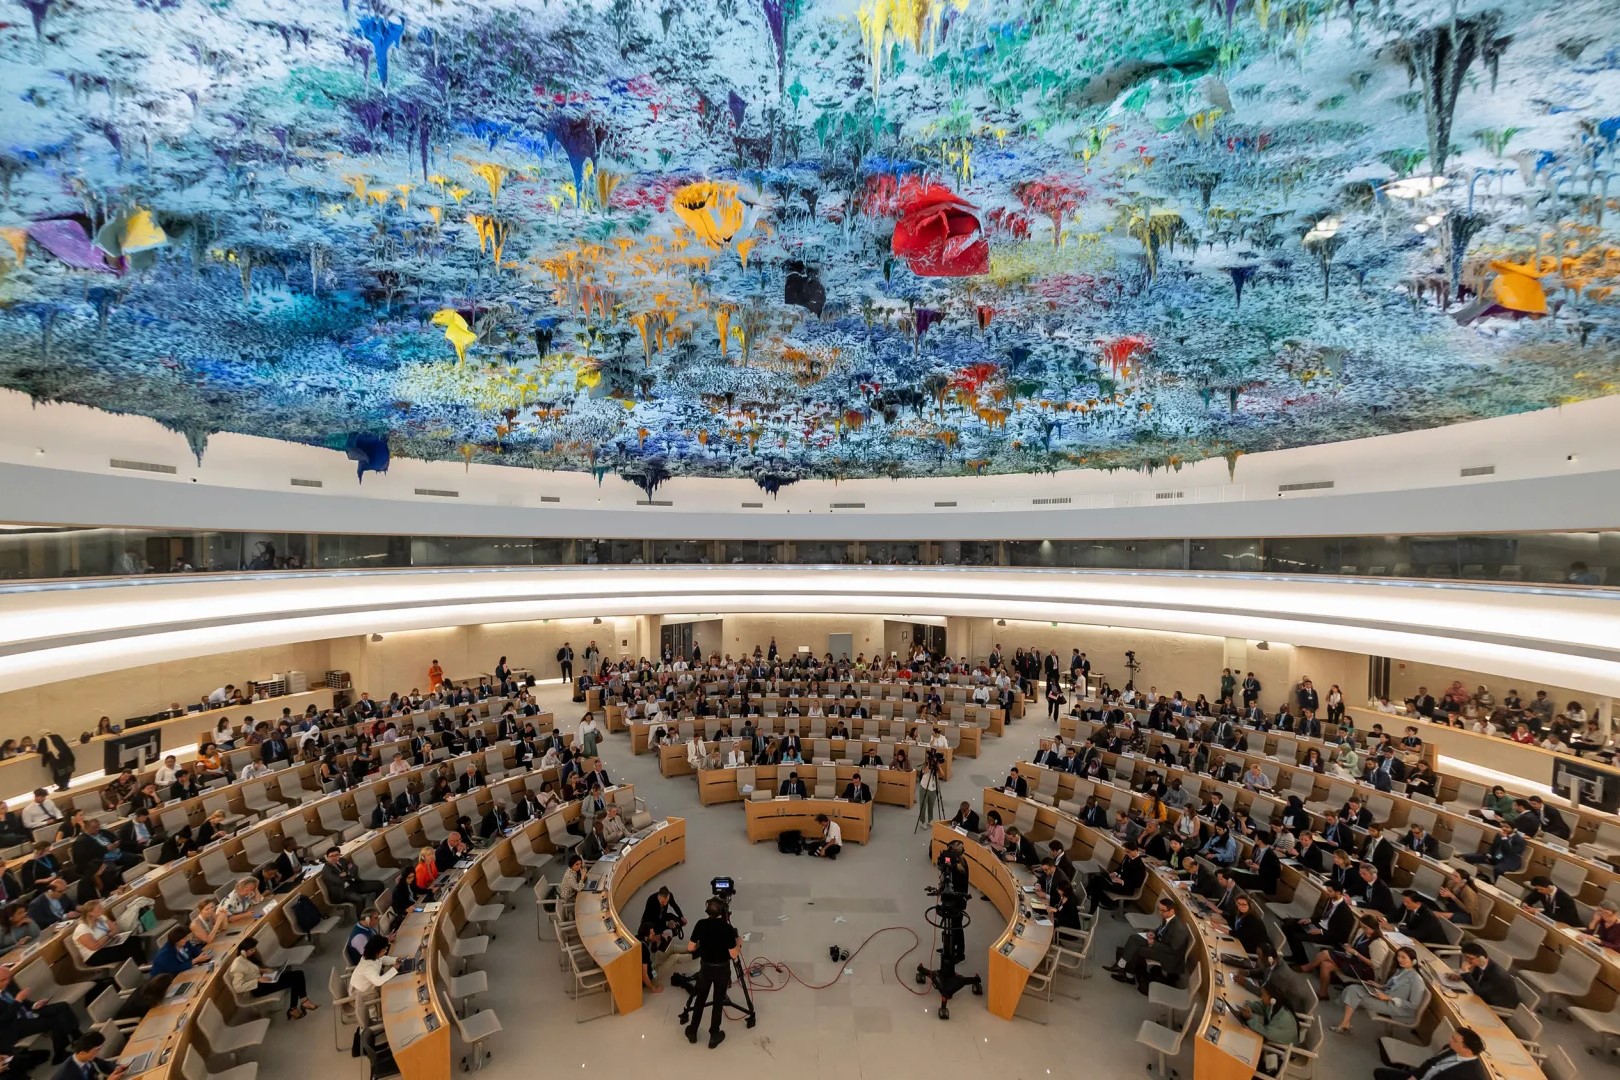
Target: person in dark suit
1552	821
1526	819
1060	859
1504	856
1020	849
497	821
1053	757
451	850
1104	888
1417	920
870	759
1309	854
139	832
1331	927
1417	839
1458	1061
1225	893
1263	869
1016	784
1333	834
20	1018
1355	814
792	786
1342	875
470	780
1164	945
1490	981
1247	925
53	904
966	819
1545	898
1380	852
1371	892
856	790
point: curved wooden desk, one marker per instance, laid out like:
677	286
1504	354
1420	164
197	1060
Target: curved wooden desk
415	1016
1027	938
769	818
611	941
867	730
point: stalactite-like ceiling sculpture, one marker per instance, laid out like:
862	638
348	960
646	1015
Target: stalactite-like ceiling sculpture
788	239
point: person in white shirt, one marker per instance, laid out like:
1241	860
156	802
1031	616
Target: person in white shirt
222	696
242	898
737	756
253	770
832	838
399	766
939	742
373	971
42	811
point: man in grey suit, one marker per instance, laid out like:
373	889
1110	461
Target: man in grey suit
1165	945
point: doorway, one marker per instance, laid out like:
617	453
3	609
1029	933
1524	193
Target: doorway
675	640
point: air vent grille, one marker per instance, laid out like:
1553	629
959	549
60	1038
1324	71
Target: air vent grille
142	466
1059	501
753	506
654	502
550	498
945	504
1314	485
439	493
846	506
307	483
1480	470
1169	494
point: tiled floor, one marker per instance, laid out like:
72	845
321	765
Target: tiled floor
869	1020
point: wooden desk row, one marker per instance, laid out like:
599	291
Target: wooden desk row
1022	946
966	733
598	917
1505	1057
769	818
893	787
1225	1048
957	692
22	774
672	759
87	797
1542	857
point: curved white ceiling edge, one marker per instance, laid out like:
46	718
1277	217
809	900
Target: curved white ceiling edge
1564	640
1554	469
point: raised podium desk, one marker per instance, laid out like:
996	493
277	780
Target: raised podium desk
769	818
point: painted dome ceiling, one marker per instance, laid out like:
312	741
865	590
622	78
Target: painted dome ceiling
784	239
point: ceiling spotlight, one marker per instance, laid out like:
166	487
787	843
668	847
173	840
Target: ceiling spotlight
1435	219
1001	622
1263	646
1325	229
376	637
1421	227
597	621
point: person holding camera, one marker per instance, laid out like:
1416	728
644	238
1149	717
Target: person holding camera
715	942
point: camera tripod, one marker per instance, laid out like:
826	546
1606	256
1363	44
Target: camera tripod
953	920
691	985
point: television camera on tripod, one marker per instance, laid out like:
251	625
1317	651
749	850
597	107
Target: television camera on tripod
950	918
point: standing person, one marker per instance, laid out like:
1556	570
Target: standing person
715	942
928	804
565	661
1054	700
57	757
589	734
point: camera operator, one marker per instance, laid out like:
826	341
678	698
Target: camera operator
716	944
928	784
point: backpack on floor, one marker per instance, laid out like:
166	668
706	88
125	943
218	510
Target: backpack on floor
790	842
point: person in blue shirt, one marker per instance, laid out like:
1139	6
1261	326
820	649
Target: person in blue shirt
364	930
1221	849
178	954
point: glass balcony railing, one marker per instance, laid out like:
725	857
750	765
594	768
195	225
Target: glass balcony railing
32	552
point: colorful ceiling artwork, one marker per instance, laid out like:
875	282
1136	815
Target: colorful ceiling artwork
790	239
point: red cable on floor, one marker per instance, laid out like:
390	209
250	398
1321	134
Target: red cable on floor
765	962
